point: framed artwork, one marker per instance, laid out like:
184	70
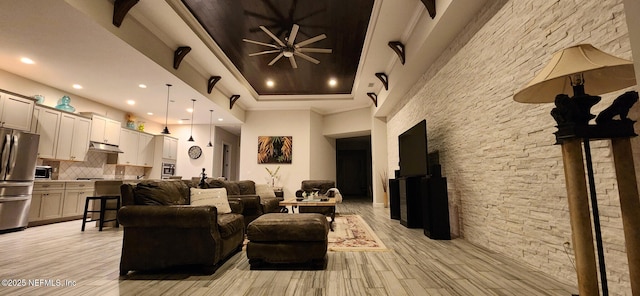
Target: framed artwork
275	149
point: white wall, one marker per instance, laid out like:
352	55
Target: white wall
348	124
296	123
224	137
322	162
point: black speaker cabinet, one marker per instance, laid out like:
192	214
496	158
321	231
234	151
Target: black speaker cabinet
394	198
435	208
411	202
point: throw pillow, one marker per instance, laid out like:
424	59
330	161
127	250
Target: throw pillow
265	191
211	197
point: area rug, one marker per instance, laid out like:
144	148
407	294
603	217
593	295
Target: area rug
352	234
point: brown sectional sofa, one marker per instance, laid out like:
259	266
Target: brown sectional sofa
162	230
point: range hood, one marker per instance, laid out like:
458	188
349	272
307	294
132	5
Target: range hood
102	147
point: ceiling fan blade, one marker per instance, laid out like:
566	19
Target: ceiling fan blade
272	36
292	36
292	60
263	52
276	58
311	40
306	57
317	50
259	43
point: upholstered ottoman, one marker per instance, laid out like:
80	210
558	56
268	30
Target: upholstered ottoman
280	240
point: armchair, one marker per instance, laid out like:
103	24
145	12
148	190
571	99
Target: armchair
322	187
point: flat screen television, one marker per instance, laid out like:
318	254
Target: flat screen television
413	151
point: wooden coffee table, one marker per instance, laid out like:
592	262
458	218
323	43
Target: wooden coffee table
331	204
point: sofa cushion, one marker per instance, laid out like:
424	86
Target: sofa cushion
211	197
230	224
165	192
246	187
265	191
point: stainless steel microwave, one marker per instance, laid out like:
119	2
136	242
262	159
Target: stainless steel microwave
168	170
43	172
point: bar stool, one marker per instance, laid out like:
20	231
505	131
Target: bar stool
103	208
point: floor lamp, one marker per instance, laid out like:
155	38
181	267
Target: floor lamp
585	69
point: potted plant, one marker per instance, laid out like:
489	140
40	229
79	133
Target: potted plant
384	179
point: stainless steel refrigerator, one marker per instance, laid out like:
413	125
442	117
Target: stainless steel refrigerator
18	153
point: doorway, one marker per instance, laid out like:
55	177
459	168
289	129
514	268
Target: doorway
226	161
353	167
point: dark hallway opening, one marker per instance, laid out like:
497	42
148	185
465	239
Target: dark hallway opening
353	167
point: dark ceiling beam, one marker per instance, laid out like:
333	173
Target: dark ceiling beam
212	82
232	100
120	10
384	78
374	98
179	54
431	7
398	48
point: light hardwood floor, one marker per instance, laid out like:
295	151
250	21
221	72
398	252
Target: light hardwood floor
415	265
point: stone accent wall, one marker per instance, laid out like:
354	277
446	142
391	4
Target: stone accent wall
505	175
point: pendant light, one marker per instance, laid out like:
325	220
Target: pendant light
166	116
210	124
193	110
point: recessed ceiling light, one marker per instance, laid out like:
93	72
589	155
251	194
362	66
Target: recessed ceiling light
270	83
27	61
131	102
333	82
220	119
142	85
149	113
190	110
180	121
77	86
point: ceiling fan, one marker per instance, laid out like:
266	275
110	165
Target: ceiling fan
288	48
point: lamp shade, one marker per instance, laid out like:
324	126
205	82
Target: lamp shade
602	73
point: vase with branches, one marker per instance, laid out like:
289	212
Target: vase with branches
273	174
384	179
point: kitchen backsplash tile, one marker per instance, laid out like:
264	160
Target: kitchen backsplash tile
94	166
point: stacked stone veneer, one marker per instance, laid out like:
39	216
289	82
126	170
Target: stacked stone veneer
505	175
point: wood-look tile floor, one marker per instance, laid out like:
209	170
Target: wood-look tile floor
86	263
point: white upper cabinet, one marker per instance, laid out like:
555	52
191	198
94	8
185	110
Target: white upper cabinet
46	123
105	130
170	148
73	138
137	147
15	112
145	149
129	147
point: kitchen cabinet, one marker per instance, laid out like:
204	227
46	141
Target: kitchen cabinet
137	147
169	148
105	130
145	149
75	196
55	201
46	123
73	138
46	201
15	112
129	147
165	151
